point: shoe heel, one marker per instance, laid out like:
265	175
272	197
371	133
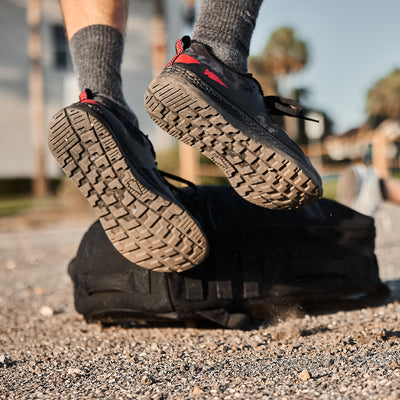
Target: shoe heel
146	228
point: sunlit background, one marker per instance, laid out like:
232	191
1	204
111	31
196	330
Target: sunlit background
352	44
348	46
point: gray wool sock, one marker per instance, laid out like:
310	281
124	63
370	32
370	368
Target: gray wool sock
227	26
97	52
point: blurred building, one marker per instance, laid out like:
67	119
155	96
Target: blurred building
60	86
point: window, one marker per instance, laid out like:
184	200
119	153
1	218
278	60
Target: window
61	56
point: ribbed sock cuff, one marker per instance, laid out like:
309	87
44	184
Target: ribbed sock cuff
227	27
97	52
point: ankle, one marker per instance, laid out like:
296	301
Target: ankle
226	26
96	52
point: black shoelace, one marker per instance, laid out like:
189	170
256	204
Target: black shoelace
177	179
277	105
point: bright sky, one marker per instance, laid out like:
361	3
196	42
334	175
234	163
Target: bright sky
352	44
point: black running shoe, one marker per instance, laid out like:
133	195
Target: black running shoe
223	114
262	264
99	146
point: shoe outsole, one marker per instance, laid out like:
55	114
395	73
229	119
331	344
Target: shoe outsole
146	228
255	166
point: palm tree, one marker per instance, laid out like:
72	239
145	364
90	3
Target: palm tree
265	77
284	54
383	99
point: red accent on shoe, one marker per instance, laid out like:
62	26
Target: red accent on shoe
179	50
185	59
83	96
179	46
214	77
182	44
90	101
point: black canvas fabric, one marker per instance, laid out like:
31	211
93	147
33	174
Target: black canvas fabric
260	261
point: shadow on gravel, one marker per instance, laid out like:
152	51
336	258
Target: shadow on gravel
273	313
391	334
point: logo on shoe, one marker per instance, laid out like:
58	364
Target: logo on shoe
214	77
135	187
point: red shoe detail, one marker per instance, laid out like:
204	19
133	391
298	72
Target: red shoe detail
84	97
180	45
185	59
214	77
179	49
90	101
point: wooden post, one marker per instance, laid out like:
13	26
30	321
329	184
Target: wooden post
189	158
379	156
36	98
189	161
291	127
158	37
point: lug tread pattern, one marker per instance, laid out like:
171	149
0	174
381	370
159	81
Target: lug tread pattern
144	227
260	174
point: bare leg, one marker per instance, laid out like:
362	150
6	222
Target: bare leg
95	30
392	190
81	13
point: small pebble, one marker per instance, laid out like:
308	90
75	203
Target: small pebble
197	390
75	371
10	264
394	365
5	360
147	380
304	375
46	311
39	291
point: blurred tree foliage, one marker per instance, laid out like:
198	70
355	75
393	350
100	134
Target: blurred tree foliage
284	54
383	99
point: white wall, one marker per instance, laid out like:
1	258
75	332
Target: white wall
16	158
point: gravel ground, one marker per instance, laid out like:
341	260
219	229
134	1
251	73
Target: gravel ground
48	351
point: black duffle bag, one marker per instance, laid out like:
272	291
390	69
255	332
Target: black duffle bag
262	263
